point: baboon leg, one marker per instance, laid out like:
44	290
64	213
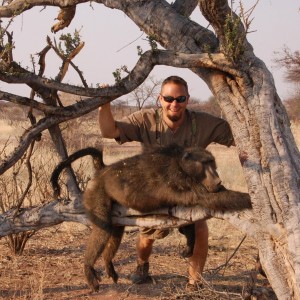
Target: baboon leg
189	232
110	250
95	247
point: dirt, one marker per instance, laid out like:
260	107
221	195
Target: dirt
51	267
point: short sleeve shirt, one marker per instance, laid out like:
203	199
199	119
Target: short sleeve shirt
148	127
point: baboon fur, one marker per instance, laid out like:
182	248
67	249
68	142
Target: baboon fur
159	177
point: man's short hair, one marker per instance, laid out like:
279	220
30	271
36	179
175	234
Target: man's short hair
177	80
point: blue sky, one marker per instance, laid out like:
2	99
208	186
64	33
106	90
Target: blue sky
106	31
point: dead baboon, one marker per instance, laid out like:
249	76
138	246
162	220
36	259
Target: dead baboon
160	177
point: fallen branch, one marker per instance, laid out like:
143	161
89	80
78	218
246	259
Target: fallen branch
35	218
58	211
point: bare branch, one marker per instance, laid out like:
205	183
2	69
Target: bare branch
146	93
35	218
185	7
139	73
68	60
216	270
18	6
42	60
56	212
79	109
10	43
291	62
211	61
29	183
68	112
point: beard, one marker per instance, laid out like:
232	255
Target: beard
174	118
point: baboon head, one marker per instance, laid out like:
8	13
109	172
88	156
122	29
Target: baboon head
200	164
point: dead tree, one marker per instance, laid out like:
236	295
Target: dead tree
243	87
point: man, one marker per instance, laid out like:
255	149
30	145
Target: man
172	123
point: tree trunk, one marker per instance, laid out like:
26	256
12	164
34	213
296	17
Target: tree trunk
270	161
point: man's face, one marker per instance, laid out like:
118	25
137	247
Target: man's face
174	111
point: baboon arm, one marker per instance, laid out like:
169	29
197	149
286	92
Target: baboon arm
227	200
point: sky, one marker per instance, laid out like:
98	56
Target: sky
111	41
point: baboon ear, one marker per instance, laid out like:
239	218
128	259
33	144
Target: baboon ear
190	165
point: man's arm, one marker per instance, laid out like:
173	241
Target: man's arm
107	122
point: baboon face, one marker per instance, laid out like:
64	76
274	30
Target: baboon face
211	181
201	164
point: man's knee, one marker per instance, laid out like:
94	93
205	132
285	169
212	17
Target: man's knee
144	248
144	241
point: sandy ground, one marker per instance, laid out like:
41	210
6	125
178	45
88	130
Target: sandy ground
51	267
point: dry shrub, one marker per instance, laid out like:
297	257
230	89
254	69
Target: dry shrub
22	188
15	180
25	186
12	112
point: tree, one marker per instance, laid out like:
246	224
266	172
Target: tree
242	85
292	104
146	93
290	61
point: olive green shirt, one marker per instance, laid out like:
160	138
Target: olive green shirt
198	129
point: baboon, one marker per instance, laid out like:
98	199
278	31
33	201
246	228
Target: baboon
160	177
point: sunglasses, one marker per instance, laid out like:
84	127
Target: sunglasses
170	99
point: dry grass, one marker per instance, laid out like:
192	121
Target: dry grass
51	267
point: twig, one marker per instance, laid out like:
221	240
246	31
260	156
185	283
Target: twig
68	60
216	270
130	43
28	165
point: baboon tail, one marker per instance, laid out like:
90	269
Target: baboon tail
98	162
227	200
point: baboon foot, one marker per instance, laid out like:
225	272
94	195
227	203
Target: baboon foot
92	278
110	270
189	232
187	251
